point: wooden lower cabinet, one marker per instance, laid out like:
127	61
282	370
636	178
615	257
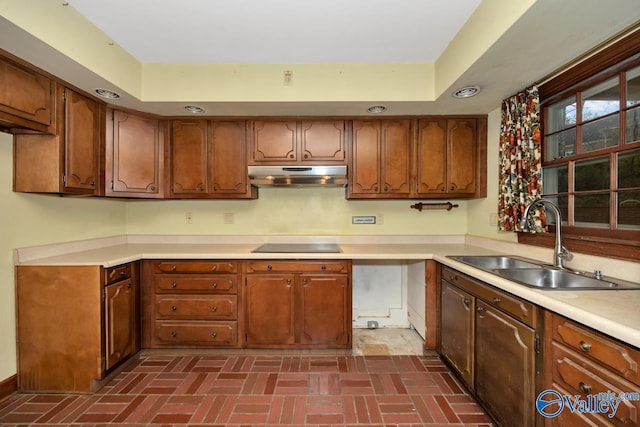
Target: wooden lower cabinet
581	362
489	338
297	304
190	304
71	328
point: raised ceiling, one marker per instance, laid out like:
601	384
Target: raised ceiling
229	56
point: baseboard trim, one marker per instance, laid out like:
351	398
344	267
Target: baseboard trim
8	387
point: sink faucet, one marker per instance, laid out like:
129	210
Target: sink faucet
560	253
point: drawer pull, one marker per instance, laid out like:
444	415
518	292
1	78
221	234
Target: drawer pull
304	281
466	302
129	286
269	267
496	300
214	308
584	387
585	346
173	285
173	268
214	285
480	310
174	333
174	308
324	267
288	281
214	268
122	273
213	334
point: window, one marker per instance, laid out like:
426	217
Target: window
591	152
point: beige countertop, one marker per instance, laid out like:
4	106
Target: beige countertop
616	313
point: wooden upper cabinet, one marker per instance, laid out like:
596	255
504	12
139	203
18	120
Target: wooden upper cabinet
451	157
431	155
135	156
322	141
189	156
209	160
295	142
26	99
69	161
82	139
380	159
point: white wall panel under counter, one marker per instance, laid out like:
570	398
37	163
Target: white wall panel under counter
380	293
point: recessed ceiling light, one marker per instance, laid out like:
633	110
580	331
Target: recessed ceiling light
466	92
106	93
377	109
194	109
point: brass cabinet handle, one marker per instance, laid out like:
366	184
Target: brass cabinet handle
173	268
213	334
466	302
304	281
496	300
269	267
174	308
585	346
153	188
214	308
173	285
288	281
129	286
174	333
480	310
214	285
585	388
324	267
214	268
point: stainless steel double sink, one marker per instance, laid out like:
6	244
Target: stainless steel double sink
542	276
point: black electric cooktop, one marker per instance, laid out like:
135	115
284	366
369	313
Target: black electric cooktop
292	248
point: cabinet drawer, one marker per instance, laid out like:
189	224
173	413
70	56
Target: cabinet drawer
196	284
115	274
616	356
196	307
581	376
293	266
566	418
522	310
196	333
196	266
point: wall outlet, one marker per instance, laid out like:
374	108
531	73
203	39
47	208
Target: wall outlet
228	218
380	218
288	77
188	218
372	324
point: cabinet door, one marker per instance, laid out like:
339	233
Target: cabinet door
395	154
431	156
274	142
365	165
119	312
228	158
462	155
189	156
325	313
456	329
136	156
81	142
505	361
323	141
25	98
269	310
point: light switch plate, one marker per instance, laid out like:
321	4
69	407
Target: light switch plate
363	219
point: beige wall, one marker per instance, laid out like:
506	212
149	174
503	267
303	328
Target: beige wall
479	210
30	220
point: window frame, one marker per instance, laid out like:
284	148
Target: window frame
608	62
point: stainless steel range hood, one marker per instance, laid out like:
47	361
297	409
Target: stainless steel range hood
298	176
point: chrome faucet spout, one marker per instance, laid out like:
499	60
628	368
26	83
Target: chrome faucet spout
560	253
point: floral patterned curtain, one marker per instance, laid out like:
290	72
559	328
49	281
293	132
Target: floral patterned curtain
520	161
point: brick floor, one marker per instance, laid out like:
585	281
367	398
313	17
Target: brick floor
246	390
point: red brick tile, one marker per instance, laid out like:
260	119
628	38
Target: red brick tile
446	409
324	419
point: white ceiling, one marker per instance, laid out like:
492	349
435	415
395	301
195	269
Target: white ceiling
279	31
550	34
